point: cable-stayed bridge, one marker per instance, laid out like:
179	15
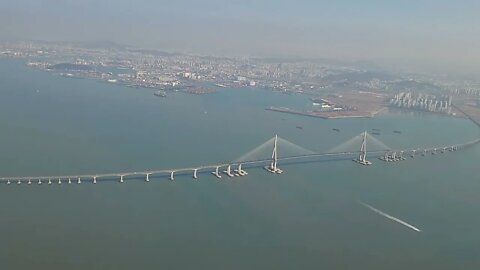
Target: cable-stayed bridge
268	155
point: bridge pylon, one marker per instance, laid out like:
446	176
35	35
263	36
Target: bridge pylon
272	167
362	158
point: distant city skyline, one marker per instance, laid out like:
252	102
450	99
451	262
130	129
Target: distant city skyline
442	35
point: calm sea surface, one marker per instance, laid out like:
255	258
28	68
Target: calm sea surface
307	218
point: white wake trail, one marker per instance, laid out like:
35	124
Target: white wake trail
410	226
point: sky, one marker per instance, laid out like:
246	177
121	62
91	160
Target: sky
419	32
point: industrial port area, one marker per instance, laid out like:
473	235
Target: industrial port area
333	89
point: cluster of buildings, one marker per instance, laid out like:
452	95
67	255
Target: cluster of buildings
466	91
325	105
422	102
136	67
153	69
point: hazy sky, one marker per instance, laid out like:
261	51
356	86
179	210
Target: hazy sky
416	30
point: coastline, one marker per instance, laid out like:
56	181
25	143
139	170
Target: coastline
327	115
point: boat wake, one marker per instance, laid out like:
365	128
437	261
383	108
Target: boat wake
410	226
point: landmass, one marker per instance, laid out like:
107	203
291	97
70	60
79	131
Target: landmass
356	89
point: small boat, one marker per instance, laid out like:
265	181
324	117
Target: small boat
299	127
375	129
336	129
397	131
376	133
160	94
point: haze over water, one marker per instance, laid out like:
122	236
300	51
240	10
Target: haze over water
307	218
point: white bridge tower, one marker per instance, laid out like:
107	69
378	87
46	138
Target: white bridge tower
362	158
273	168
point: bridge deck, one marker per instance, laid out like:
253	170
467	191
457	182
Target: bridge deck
105	176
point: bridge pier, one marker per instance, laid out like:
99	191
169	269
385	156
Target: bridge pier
69	180
216	172
29	181
195	174
39	181
19	182
59	181
240	171
121	178
147	177
94	179
228	171
79	181
8	182
385	157
172	176
49	181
